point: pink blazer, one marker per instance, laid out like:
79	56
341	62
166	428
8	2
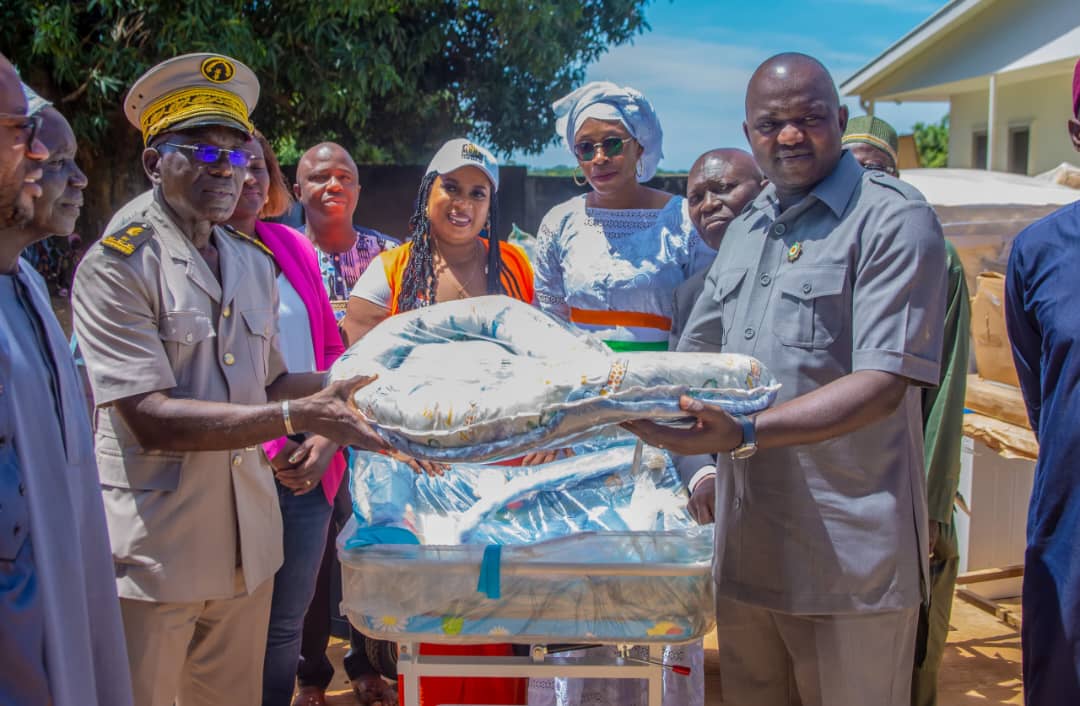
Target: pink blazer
296	257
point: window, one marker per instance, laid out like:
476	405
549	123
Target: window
978	149
1019	144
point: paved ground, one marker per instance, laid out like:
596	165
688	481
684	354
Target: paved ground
982	663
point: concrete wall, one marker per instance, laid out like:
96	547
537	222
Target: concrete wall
1043	104
389	192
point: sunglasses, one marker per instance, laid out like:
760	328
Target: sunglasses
27	123
209	154
612	147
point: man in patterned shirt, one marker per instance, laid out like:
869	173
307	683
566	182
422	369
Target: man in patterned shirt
328	188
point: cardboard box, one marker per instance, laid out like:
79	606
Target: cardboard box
997	400
993	357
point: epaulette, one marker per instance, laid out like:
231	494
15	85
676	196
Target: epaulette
903	188
128	239
253	239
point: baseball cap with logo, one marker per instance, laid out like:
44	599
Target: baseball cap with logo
190	91
459	153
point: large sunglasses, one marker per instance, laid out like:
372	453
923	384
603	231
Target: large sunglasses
612	147
209	154
27	123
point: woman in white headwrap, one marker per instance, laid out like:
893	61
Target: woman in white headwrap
609	262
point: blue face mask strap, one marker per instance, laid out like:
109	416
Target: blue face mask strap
489	583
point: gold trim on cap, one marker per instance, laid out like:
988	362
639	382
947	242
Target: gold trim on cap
191	103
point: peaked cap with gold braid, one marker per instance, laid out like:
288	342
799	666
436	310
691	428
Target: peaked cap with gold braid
191	91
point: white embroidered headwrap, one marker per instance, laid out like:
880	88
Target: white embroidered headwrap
604	100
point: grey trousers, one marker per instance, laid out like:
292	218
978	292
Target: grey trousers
205	653
769	658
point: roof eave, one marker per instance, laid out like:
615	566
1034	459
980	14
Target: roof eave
903	48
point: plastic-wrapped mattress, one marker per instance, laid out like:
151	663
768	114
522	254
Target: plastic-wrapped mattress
598	491
490	378
598	548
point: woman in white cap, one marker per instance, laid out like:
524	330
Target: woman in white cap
609	262
453	253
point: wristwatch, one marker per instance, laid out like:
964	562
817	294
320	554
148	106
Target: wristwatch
748	447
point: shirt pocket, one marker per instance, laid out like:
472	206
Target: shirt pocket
182	332
814	306
724	300
122	463
260	325
711	318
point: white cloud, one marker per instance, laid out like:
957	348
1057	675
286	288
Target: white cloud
698	86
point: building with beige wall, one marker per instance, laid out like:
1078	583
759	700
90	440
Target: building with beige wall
1004	66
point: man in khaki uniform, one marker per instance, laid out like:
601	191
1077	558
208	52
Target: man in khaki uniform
176	317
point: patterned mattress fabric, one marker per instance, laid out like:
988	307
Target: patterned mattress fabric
604	587
491	378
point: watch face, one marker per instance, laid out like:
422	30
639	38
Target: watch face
743	452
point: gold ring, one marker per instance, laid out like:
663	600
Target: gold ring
307	483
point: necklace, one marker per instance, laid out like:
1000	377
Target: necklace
462	284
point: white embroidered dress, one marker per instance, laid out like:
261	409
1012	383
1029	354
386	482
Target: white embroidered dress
614	272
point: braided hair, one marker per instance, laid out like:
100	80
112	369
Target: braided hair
419	281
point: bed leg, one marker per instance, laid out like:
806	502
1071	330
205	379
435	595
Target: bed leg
407	677
656	676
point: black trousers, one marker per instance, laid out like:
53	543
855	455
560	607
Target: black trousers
314	669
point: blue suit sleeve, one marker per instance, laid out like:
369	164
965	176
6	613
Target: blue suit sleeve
1025	334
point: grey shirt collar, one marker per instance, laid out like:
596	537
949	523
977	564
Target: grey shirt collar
835	190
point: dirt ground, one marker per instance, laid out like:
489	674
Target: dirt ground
981	668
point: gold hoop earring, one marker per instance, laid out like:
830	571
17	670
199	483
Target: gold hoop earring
579	182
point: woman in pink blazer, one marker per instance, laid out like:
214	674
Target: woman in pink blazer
308	470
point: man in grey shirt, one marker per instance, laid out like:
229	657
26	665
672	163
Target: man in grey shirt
834	277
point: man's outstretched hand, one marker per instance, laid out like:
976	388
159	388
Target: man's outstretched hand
330	412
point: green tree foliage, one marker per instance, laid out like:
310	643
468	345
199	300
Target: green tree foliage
932	142
389	79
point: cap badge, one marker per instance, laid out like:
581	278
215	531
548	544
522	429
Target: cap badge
218	69
471	152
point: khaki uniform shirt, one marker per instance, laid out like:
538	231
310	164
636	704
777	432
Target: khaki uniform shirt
157	319
851	278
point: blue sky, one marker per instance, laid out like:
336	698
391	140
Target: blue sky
694	63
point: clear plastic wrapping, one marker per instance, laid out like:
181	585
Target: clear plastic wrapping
486	504
598	547
615	587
